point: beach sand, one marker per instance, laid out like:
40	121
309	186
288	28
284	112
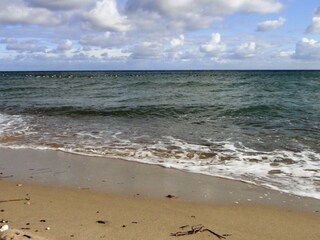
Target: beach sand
63	196
75	214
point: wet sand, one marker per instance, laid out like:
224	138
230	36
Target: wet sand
72	193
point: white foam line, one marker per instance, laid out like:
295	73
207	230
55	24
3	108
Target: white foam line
287	178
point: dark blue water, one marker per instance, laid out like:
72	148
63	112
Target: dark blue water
257	126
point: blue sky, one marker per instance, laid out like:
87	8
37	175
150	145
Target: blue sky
159	34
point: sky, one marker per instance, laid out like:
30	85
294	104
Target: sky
159	34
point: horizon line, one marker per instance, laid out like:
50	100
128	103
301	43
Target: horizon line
156	70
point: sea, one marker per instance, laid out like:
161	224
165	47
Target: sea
260	127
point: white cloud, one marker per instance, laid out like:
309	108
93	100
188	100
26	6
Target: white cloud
105	16
284	54
270	24
245	50
106	40
95	40
185	55
188	55
23	46
214	47
177	42
195	14
257	6
315	25
65	45
215	7
98	53
117	54
307	49
16	12
147	50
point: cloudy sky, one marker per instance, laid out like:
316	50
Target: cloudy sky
159	34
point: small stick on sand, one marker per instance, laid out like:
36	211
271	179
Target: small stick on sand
195	229
216	234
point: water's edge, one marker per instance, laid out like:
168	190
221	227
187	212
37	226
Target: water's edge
61	169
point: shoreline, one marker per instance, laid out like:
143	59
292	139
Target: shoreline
56	168
53	195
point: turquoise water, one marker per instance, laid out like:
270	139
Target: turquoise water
261	127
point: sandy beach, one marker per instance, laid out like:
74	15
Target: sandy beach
54	195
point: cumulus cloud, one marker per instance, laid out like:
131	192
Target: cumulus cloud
147	50
315	25
177	42
188	55
65	45
245	50
307	49
105	16
284	54
141	15
101	54
148	29
95	40
214	47
195	14
258	6
165	19
105	40
16	12
13	44
270	24
216	7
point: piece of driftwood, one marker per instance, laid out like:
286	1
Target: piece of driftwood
195	229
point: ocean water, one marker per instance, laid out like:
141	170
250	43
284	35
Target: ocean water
261	127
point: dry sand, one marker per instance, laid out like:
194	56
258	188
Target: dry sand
74	214
62	196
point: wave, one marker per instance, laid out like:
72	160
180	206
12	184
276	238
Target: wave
284	170
122	111
8	123
261	109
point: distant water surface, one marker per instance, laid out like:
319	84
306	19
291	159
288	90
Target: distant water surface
261	127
